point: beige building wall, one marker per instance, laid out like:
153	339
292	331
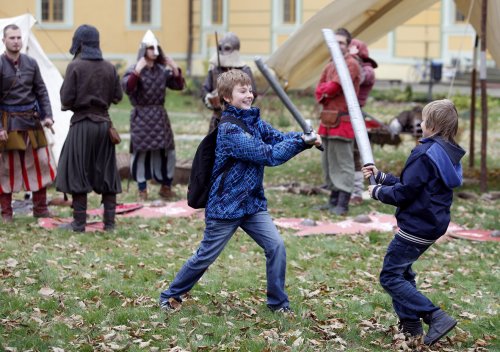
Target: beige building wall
432	34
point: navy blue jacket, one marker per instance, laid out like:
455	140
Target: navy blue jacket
424	192
242	191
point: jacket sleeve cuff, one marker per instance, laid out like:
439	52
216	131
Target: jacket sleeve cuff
380	178
375	192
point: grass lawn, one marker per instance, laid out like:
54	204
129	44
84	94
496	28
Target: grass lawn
99	292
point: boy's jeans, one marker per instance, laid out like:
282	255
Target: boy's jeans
217	234
398	279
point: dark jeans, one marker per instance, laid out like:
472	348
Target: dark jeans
398	279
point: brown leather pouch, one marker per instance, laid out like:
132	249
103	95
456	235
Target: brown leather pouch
114	136
330	118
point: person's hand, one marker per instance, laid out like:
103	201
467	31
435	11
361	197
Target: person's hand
170	62
318	141
47	122
140	65
3	135
311	139
370	190
370	170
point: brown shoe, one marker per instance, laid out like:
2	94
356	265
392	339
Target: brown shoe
166	192
142	196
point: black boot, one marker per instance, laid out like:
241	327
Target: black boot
343	203
332	202
411	327
109	201
79	212
440	324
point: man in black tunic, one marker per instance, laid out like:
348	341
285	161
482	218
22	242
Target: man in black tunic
88	159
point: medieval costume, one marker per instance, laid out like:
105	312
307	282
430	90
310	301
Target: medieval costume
88	159
337	134
25	160
152	138
227	58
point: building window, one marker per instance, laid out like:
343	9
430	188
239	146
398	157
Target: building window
217	11
52	10
289	11
140	12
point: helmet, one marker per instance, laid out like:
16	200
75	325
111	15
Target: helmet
86	43
229	43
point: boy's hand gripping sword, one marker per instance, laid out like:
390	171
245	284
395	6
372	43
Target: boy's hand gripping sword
357	121
309	135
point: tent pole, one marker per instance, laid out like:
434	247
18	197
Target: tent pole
483	182
473	104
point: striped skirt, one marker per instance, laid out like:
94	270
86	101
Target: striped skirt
29	170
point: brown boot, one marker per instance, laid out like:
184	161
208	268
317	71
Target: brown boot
166	192
40	209
6	203
142	196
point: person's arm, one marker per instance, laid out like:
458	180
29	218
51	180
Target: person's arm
326	88
417	175
174	82
241	145
117	91
130	80
68	88
42	97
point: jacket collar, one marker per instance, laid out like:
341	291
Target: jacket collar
249	116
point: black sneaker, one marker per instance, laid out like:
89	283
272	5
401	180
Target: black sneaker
284	311
440	324
171	305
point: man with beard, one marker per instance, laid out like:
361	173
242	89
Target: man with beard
336	130
25	160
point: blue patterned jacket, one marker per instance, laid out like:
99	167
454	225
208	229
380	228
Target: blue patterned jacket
239	191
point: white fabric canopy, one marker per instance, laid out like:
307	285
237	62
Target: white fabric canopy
51	76
299	61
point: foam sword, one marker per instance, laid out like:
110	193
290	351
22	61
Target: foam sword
309	135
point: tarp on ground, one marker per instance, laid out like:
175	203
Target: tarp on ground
300	59
51	76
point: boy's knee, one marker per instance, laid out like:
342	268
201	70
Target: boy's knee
277	246
386	280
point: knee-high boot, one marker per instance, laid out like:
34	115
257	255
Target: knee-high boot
343	204
109	201
6	203
79	212
40	209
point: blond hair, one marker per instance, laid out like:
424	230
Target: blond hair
230	79
442	119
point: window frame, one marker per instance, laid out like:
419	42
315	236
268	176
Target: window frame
67	21
155	16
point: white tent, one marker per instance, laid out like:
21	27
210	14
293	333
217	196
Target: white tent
51	76
367	20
